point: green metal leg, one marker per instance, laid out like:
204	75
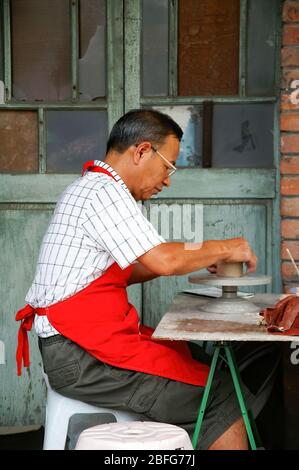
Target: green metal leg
236	380
205	397
237	383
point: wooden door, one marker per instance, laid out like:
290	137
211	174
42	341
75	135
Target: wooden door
63	93
62	66
213	67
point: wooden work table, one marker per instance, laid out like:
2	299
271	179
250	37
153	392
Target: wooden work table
184	320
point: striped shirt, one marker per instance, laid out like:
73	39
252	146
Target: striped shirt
96	222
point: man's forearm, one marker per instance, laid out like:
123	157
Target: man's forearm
190	257
168	259
141	274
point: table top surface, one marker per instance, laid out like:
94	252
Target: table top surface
185	320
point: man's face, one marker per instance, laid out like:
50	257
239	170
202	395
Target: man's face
154	170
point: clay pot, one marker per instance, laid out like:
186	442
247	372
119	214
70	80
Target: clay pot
229	269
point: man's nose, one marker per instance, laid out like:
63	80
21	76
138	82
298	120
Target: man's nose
166	181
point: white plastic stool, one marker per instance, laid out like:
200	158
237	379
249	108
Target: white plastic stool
59	410
146	435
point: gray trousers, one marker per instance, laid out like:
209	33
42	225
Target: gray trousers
74	373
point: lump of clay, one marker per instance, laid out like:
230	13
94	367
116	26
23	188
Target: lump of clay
229	269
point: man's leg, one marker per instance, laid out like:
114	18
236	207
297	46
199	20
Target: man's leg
151	396
235	438
222	426
74	373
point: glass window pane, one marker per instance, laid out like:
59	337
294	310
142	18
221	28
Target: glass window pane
190	120
208	47
243	135
19	146
92	54
41	61
73	137
262	30
155	47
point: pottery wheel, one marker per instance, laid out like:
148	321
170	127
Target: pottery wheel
229	302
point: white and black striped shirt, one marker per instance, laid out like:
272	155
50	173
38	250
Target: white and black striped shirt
95	223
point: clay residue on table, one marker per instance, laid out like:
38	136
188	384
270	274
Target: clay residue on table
217	326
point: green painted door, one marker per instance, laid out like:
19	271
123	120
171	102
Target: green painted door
124	55
219	79
62	72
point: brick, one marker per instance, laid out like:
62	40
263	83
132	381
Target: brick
290	228
290	102
290	143
289	186
288	77
289	207
290	11
290	56
289	121
290	35
289	165
288	271
293	246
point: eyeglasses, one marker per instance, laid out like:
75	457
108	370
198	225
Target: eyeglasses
171	168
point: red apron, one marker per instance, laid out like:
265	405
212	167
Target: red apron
100	319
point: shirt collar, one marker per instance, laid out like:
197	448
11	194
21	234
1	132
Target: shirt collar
112	171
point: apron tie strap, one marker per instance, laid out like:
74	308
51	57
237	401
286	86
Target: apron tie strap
87	166
26	316
90	166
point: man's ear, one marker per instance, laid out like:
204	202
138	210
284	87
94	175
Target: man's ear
140	150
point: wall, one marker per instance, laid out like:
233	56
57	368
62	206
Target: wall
289	125
289	166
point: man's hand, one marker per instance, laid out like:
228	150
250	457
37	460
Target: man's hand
240	250
212	269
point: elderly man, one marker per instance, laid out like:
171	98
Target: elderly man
97	243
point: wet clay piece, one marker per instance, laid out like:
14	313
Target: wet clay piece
229	269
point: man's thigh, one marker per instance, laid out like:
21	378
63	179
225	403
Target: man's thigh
76	374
